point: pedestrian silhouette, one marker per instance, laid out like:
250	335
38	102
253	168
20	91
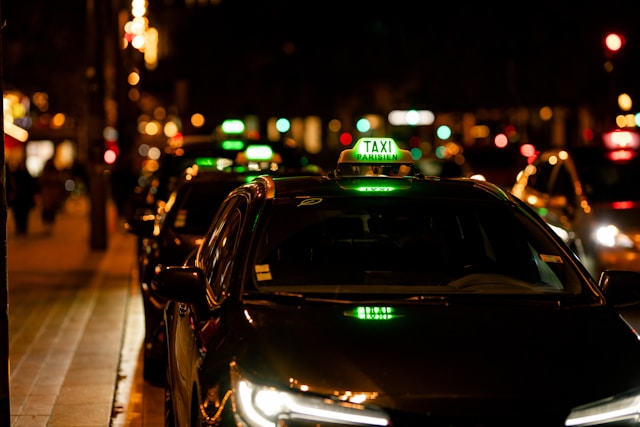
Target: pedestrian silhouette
21	191
52	192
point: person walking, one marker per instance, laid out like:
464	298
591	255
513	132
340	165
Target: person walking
21	192
52	193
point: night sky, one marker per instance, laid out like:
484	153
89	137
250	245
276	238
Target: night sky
297	57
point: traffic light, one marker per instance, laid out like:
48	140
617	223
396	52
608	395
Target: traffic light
111	149
614	42
111	153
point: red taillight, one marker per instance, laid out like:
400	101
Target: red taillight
623	205
621	155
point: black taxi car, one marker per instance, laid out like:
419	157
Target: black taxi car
167	237
374	296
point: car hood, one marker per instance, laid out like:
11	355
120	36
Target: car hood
528	357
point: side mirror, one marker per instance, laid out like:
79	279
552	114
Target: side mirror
620	288
182	284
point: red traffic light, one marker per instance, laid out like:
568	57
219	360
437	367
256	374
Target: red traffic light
110	157
614	42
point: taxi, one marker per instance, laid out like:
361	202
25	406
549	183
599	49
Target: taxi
377	296
590	197
168	235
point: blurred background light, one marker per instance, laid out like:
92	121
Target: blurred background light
546	113
624	102
233	126
363	125
197	120
614	42
500	140
443	132
283	125
411	117
346	138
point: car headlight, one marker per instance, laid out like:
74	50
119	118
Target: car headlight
623	409
262	406
611	237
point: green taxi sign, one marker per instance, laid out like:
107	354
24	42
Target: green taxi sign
374	156
233	126
232	144
217	163
258	157
372	313
259	152
376	149
375	189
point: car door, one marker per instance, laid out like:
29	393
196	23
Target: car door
215	257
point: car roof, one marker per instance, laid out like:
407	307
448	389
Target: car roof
411	186
212	177
377	166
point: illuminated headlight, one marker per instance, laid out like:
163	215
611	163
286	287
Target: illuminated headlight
623	409
262	406
611	237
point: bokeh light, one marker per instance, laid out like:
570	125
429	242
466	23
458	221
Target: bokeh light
614	42
363	125
501	140
443	132
624	102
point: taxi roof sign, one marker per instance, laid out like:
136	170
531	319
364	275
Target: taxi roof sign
258	153
370	151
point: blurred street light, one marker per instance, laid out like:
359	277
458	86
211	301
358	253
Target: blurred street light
613	42
624	102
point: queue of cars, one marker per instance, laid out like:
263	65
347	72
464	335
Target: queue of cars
167	237
590	196
181	216
377	296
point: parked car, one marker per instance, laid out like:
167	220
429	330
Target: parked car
590	196
167	238
176	228
177	154
376	296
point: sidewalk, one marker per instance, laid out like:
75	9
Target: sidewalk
69	309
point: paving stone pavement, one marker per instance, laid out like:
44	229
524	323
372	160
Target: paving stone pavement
75	325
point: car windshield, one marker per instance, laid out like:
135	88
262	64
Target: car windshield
384	245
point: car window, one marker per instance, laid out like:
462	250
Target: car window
198	204
216	257
382	245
